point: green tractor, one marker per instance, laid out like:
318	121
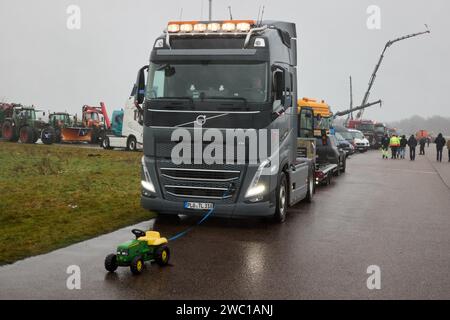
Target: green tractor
19	123
148	246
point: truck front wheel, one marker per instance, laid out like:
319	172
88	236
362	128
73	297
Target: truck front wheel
281	199
311	186
131	144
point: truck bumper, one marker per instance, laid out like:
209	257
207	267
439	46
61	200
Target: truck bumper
240	209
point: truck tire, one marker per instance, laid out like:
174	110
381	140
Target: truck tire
311	187
344	166
131	144
162	255
111	262
26	134
137	265
281	199
48	135
105	143
9	132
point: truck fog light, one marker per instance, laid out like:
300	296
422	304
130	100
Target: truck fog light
148	186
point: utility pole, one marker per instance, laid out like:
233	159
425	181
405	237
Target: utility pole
351	98
374	73
210	10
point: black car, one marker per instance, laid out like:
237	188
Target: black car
344	144
331	153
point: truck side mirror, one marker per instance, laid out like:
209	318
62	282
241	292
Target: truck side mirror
140	85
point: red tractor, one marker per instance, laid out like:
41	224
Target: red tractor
96	118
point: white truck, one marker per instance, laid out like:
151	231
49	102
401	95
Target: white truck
126	127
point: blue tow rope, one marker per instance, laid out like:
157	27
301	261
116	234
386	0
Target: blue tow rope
179	235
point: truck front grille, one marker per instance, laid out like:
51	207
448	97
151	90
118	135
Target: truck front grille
219	183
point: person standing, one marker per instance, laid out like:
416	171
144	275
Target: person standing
422	142
440	143
412	143
448	147
395	144
403	143
385	146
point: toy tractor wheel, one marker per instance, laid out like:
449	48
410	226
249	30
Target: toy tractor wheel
137	265
9	132
111	262
162	255
26	134
48	135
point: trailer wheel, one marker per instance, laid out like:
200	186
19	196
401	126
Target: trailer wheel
131	144
111	262
162	255
281	199
48	135
26	134
105	143
9	132
311	187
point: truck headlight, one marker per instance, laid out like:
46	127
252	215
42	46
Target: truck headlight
148	186
256	188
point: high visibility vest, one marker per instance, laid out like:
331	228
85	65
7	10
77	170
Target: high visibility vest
394	142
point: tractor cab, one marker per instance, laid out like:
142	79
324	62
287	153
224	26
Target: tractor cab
60	120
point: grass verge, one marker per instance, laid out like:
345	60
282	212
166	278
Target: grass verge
53	196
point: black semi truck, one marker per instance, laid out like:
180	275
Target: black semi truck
214	84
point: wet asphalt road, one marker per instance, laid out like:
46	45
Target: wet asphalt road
394	214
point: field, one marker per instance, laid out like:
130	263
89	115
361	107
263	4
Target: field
53	196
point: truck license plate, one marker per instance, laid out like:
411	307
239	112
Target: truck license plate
198	205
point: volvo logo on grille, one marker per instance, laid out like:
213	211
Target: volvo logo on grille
201	120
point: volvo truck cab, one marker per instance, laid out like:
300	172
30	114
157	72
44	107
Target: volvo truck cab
216	92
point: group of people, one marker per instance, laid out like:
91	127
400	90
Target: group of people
398	145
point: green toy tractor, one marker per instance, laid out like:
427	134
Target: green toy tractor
148	246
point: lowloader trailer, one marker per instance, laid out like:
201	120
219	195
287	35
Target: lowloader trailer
219	78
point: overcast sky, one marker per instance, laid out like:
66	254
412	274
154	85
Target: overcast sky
44	63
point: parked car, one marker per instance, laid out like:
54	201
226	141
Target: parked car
362	144
331	153
344	144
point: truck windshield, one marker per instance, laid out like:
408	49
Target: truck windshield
379	129
365	127
208	80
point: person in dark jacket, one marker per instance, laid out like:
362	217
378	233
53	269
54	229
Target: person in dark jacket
385	146
422	143
412	143
440	143
403	144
